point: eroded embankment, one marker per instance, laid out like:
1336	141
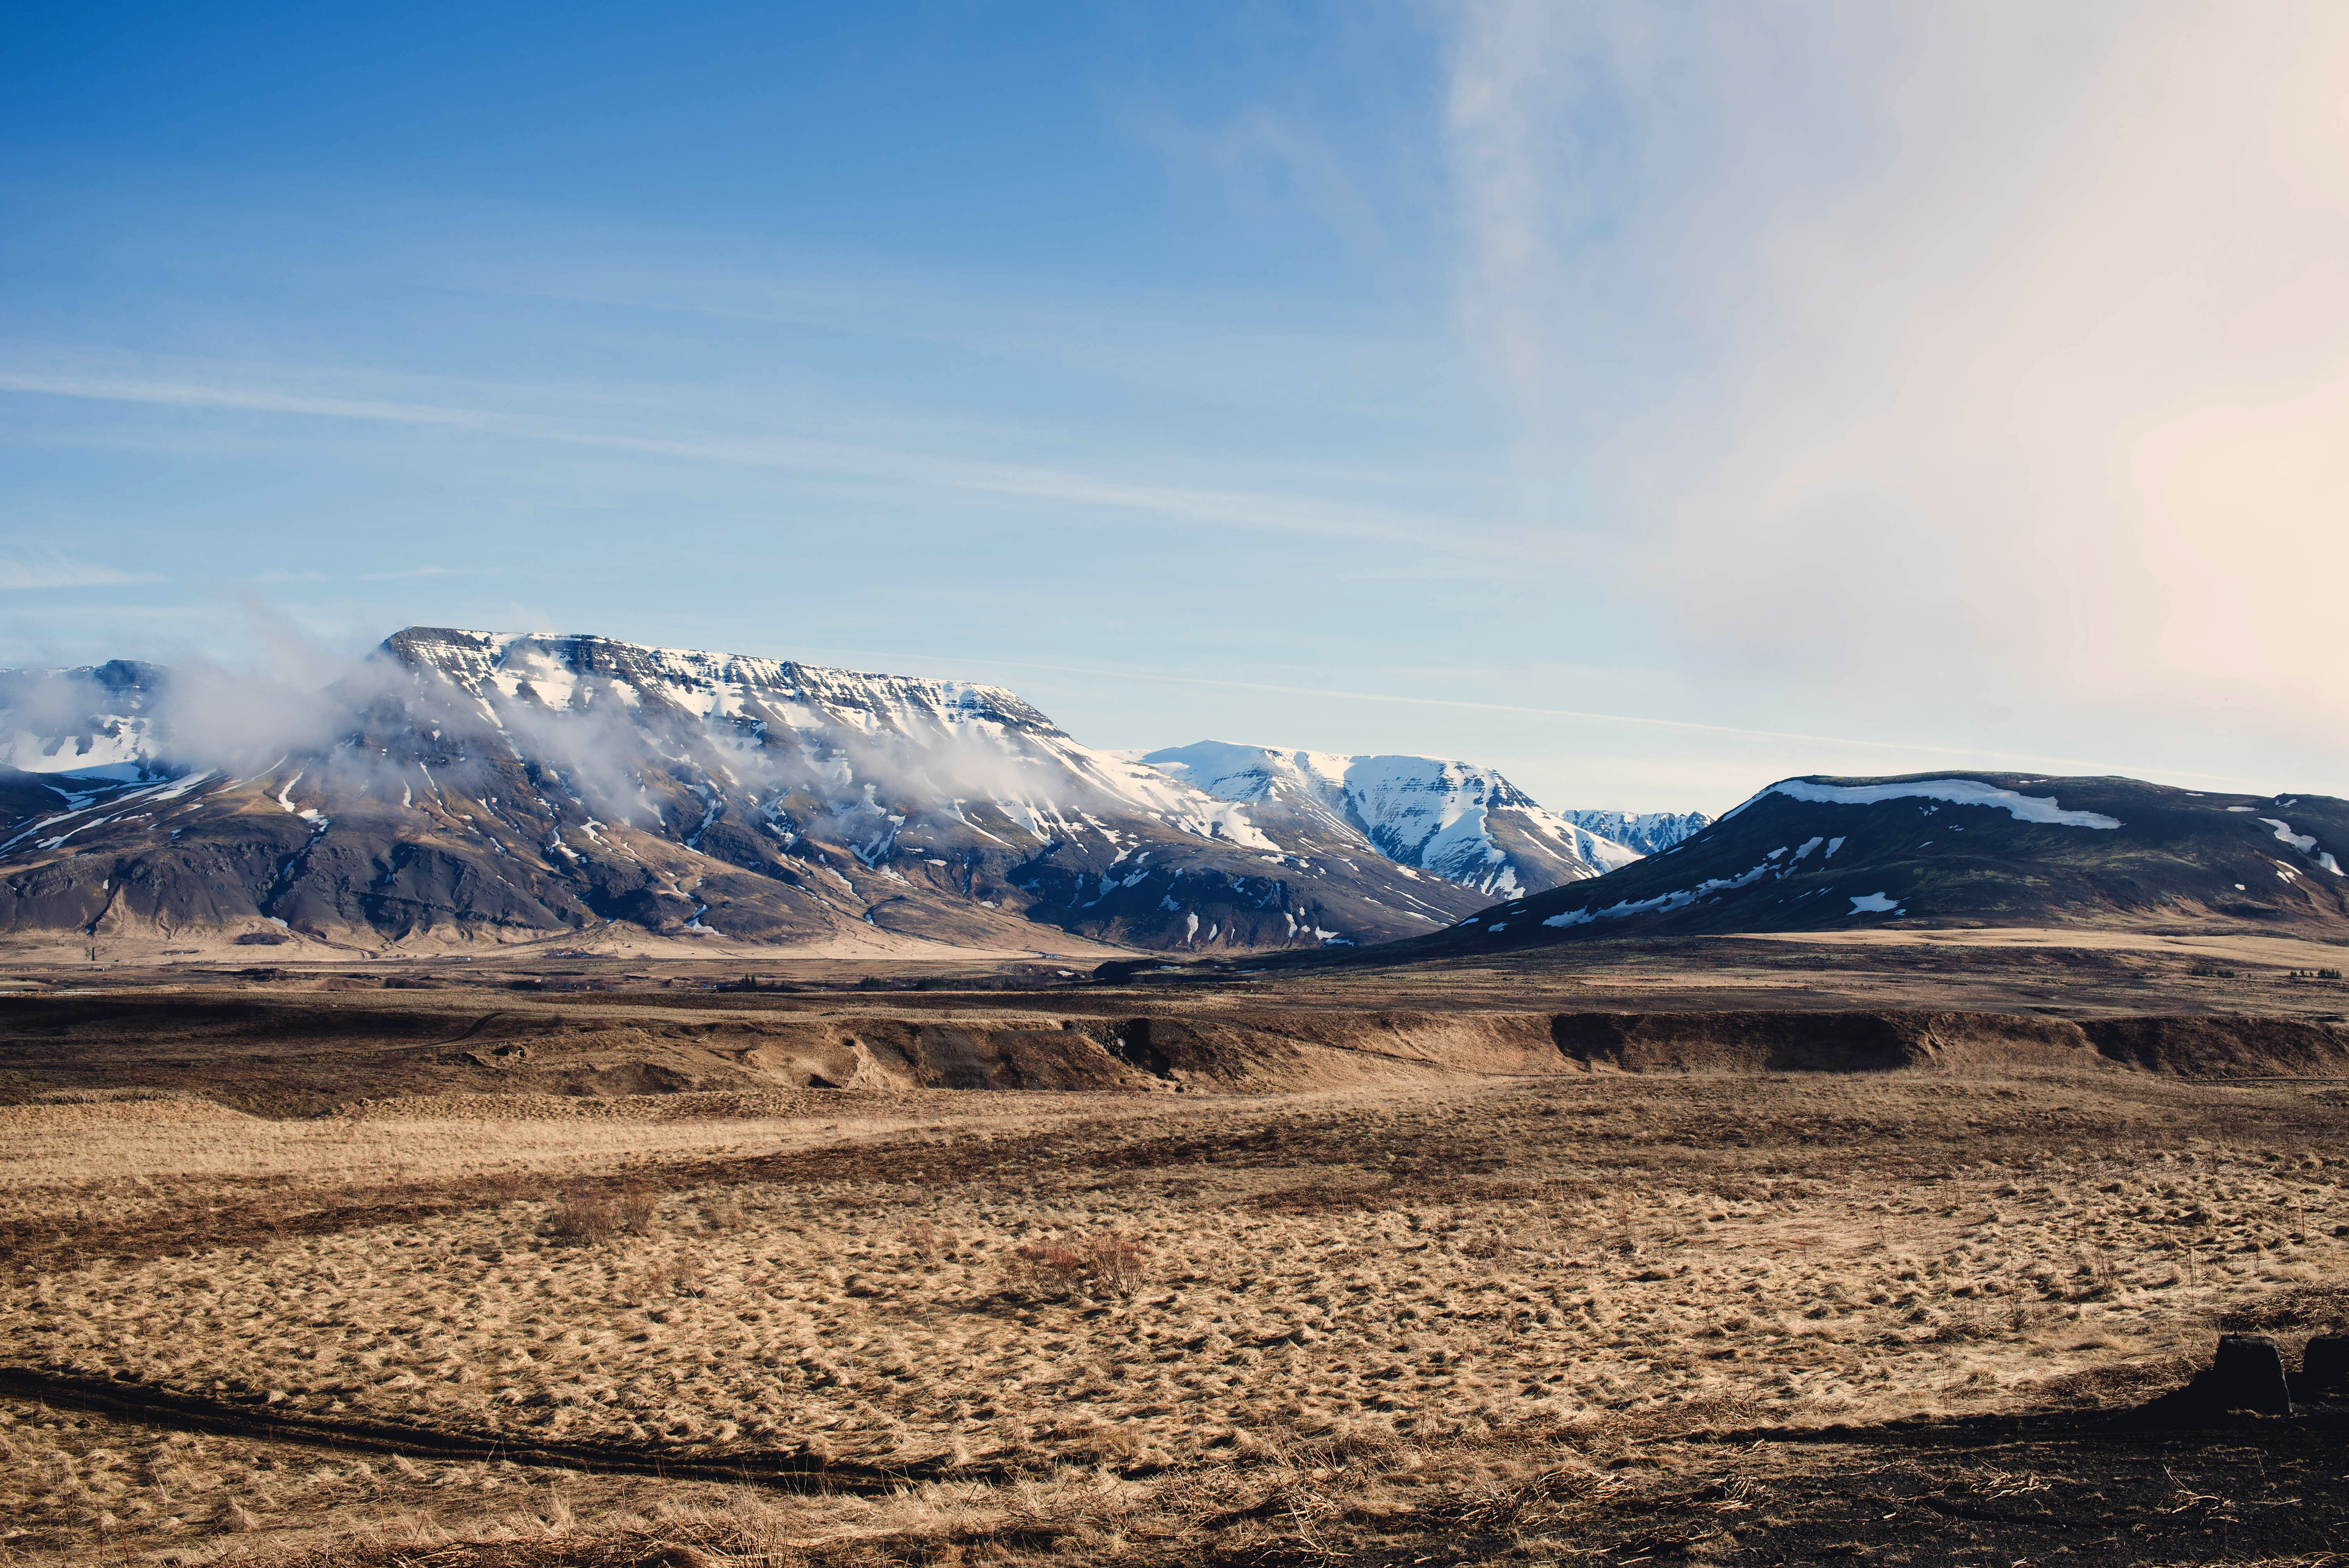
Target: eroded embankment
1275	1051
1279	1051
1889	1040
305	1059
308	1055
1270	1051
2211	1046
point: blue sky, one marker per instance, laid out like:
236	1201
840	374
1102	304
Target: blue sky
1652	401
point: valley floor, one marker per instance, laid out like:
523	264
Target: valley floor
1594	1317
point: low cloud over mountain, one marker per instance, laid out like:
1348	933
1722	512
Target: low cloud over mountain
463	786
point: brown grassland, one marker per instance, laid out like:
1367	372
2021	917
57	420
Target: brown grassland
1581	1316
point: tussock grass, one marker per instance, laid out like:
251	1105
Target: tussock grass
1109	1263
588	1214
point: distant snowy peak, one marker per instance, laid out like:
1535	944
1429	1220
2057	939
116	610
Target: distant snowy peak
1455	819
92	721
1650	833
1233	772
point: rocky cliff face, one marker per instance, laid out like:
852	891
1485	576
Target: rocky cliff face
468	787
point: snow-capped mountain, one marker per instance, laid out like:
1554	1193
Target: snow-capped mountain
1466	824
1650	833
466	786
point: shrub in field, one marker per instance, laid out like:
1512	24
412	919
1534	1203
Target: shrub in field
587	1215
678	1274
1109	1263
635	1207
583	1214
504	1186
1962	1324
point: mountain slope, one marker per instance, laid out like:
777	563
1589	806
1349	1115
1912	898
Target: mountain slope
1838	854
1451	820
466	786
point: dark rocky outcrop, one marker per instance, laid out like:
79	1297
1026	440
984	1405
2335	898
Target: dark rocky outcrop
2324	1368
2246	1378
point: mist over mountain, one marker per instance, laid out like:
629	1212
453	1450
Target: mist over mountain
461	787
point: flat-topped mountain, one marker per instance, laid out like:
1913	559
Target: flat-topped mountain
467	786
1841	854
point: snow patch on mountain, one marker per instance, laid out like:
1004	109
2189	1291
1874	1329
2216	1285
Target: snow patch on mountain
1957	791
2305	842
1665	902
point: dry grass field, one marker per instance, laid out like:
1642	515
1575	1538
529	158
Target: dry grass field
1588	1317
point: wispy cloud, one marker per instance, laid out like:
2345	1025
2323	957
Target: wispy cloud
1244	510
267	578
62	571
1249	510
1276	159
251	399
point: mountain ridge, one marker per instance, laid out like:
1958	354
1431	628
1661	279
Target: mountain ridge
464	786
